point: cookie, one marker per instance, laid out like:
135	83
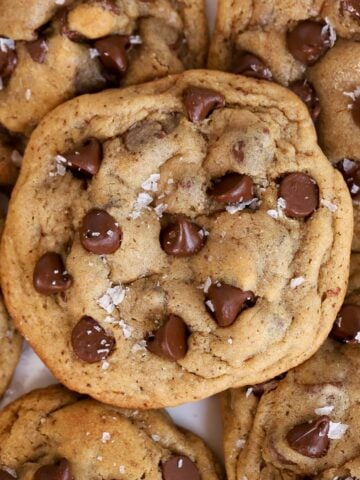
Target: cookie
10	340
72	437
313	48
303	423
171	231
52	52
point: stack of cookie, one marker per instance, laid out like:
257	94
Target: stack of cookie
176	232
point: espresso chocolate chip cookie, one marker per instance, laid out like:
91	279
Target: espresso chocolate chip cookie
52	434
168	241
304	424
54	50
313	48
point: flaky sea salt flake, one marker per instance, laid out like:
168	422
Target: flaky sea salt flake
329	205
296	282
6	44
337	430
324	410
105	437
151	184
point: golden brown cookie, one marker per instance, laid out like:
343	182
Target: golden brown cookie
313	48
52	433
54	50
10	340
161	239
304	423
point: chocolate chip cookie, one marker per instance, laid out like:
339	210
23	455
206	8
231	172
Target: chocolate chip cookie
55	50
53	434
10	341
170	240
303	424
313	48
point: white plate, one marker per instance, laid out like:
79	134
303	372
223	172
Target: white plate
203	418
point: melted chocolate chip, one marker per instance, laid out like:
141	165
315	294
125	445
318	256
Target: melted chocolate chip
58	471
308	95
260	388
301	195
4	475
182	238
99	232
226	302
37	50
179	467
87	158
355	111
232	188
310	439
170	341
346	328
50	275
112	50
90	342
251	66
308	41
351	7
8	62
350	170
200	102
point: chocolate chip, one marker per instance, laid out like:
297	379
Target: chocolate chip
4	475
37	50
260	388
238	151
251	66
8	62
350	170
226	302
170	341
308	41
59	471
87	158
346	328
179	467
310	439
351	7
232	188
90	342
50	275
308	95
182	238
200	102
99	232
301	195
355	111
112	50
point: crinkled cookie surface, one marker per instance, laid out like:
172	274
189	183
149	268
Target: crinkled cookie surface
52	433
51	51
311	46
304	424
161	239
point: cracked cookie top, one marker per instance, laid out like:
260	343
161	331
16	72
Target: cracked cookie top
313	48
168	241
305	423
70	437
54	50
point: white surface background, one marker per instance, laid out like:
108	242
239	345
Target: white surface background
202	417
